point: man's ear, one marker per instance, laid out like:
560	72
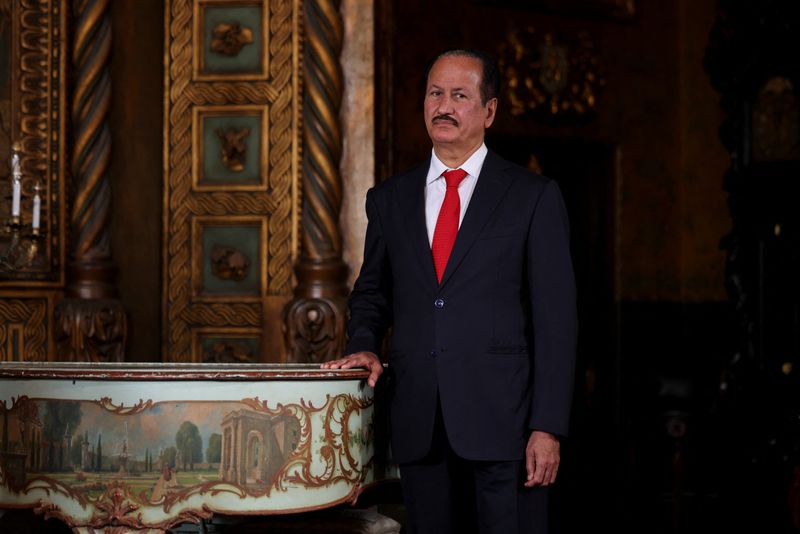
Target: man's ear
491	111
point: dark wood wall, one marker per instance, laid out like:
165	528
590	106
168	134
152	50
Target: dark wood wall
137	74
658	109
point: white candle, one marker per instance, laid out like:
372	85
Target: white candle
15	195
37	211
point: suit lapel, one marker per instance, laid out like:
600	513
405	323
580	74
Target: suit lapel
414	200
490	188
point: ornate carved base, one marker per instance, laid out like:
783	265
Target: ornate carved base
314	330
90	330
314	321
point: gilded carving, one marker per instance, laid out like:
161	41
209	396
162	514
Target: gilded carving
91	151
551	77
273	198
228	263
216	314
234	150
229	38
23	329
91	330
776	122
313	330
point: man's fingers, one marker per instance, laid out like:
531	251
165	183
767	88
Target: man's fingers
553	474
360	359
530	466
373	377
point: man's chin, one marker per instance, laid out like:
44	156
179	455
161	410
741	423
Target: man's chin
443	136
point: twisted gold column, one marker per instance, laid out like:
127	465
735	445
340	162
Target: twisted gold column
315	319
90	323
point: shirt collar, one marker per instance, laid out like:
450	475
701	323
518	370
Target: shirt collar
473	164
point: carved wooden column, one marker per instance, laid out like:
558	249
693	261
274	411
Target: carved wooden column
90	322
314	321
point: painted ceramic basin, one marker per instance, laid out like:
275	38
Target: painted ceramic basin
153	445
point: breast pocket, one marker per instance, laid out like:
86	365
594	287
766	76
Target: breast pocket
502	230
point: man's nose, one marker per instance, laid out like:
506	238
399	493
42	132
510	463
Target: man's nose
446	106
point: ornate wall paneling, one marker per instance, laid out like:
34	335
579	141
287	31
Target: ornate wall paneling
231	165
32	117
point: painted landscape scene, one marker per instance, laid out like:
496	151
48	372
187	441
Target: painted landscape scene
154	449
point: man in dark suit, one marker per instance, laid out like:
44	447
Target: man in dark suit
467	258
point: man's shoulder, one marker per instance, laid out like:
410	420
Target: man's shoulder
403	179
522	176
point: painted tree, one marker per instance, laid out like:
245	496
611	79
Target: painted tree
60	419
214	450
168	456
76	452
189	442
99	449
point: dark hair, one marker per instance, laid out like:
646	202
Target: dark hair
490	76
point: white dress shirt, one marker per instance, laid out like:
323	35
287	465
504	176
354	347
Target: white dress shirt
436	186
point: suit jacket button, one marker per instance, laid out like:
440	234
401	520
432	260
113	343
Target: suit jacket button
434	353
439	303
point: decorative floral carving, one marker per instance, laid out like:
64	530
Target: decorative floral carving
116	508
549	76
227	263
234	150
90	330
314	330
228	38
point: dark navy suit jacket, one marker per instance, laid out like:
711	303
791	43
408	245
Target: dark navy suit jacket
496	339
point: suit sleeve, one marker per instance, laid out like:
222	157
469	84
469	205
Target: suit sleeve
554	313
370	301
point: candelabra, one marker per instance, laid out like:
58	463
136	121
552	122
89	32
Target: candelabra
20	242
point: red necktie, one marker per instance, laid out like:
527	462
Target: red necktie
444	235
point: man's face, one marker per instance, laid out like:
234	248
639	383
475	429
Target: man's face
454	115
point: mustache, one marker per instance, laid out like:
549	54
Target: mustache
445	117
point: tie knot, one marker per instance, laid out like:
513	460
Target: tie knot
454	177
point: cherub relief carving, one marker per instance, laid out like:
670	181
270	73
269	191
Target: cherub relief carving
234	150
228	38
228	263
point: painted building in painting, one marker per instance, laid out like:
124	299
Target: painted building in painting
255	446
